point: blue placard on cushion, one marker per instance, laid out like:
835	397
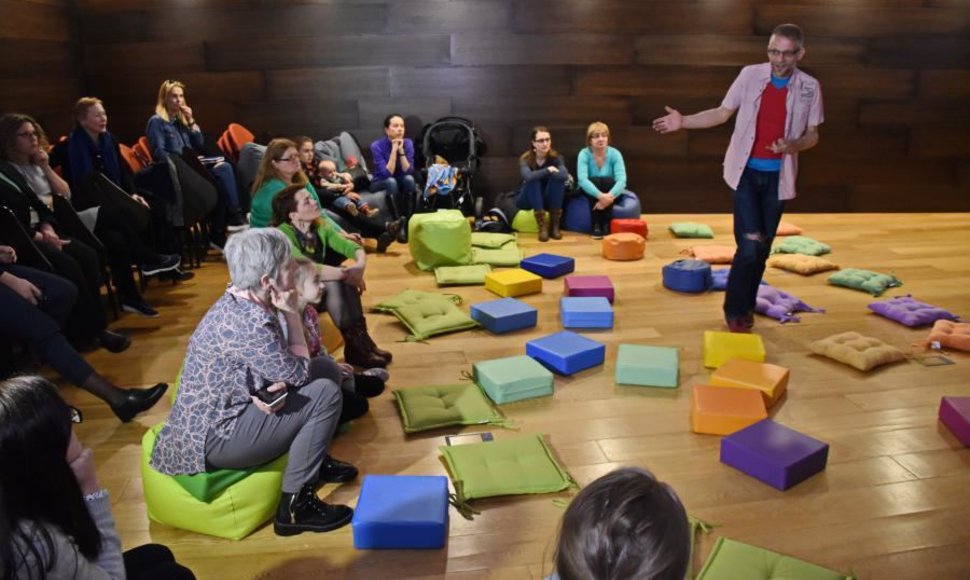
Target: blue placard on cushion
548	265
566	352
585	312
401	512
504	315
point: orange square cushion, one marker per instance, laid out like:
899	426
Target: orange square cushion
787	229
712	254
724	410
949	334
770	380
801	264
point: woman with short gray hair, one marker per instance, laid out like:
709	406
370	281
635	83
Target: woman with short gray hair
247	394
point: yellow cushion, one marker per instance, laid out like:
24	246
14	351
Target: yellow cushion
515	282
801	264
720	347
724	410
623	246
770	380
862	352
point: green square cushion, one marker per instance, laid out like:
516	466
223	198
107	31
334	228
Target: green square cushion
461	275
800	245
872	282
424	408
491	240
508	256
426	314
232	513
520	465
513	378
731	559
442	238
691	230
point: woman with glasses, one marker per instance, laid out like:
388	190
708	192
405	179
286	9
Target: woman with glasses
59	516
543	187
601	174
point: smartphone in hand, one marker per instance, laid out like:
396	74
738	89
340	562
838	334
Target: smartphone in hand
271	398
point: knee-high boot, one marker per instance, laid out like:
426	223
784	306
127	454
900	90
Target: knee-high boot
555	216
357	349
543	225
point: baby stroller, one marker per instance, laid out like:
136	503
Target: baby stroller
455	141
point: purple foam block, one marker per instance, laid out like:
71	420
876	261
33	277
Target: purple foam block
955	414
589	286
774	454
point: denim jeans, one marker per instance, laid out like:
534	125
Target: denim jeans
227	181
401	189
757	211
545	193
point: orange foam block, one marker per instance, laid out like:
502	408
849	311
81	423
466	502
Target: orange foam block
771	380
724	410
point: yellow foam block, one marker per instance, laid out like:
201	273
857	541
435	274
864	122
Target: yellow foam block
724	410
720	347
515	282
771	380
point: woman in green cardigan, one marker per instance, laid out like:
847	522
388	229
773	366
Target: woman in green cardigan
297	214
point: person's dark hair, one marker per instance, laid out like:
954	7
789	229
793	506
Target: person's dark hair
9	126
791	32
530	156
284	203
387	119
38	484
625	525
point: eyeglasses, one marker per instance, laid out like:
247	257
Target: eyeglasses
544	140
28	134
784	53
76	416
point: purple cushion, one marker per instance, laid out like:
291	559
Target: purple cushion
719	279
780	304
775	454
911	312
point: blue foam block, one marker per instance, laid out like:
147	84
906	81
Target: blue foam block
548	265
687	276
566	352
585	312
504	315
401	512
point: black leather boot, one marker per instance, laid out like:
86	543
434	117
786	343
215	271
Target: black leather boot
305	512
357	349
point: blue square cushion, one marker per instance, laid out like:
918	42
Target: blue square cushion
548	265
401	512
585	312
504	315
566	352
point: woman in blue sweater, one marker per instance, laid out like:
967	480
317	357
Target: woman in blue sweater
601	175
544	179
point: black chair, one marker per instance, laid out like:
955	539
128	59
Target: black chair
71	224
13	234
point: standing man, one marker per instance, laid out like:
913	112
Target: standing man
780	109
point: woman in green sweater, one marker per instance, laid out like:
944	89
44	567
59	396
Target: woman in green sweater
297	214
601	175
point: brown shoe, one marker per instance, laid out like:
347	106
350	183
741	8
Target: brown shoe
543	226
351	209
554	217
387	356
357	349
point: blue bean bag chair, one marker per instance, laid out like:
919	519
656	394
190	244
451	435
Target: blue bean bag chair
577	217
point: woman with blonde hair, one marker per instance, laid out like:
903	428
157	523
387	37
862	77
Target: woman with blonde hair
173	128
601	175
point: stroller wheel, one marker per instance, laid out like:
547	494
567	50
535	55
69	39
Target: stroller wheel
479	207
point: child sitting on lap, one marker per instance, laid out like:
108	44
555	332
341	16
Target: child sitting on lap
625	525
342	184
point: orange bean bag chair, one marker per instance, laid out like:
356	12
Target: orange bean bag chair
623	246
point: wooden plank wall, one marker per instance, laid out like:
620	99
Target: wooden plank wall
895	75
39	69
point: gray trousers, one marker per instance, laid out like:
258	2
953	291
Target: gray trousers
303	427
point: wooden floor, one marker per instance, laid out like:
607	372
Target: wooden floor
892	502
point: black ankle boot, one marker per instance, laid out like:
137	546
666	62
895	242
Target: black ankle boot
138	400
305	512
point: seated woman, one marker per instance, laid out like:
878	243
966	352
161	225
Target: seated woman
394	169
543	183
296	214
238	349
90	149
69	258
601	175
172	129
59	516
625	524
34	307
333	192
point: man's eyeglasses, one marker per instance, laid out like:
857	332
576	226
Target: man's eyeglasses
76	416
784	53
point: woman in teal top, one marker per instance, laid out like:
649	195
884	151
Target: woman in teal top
297	214
601	175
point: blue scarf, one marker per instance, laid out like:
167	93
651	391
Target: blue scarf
81	153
